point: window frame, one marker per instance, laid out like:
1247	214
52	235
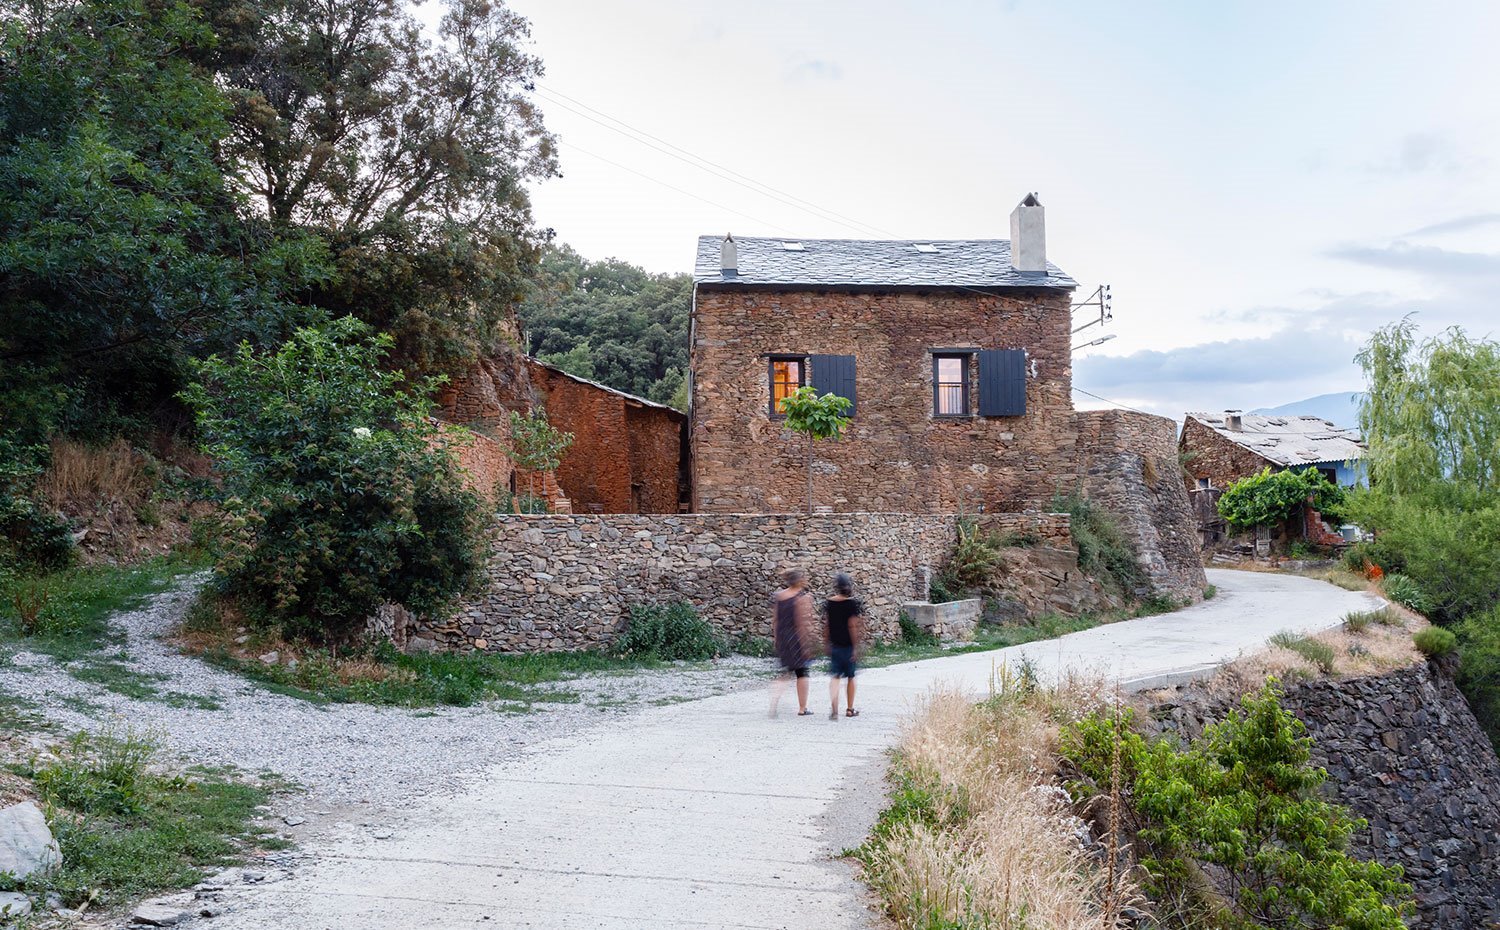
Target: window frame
965	361
771	382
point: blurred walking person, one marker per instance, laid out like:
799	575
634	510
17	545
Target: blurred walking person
845	634
794	638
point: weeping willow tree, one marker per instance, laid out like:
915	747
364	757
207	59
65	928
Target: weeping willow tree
1431	420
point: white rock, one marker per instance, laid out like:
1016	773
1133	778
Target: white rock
26	844
292	820
159	914
270	657
14	904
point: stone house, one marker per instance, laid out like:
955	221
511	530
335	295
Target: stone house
956	354
1220	449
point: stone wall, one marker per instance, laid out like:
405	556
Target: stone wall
626	455
896	456
567	582
1130	467
1209	455
1404	752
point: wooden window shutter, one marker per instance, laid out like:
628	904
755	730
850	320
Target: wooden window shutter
1002	382
834	374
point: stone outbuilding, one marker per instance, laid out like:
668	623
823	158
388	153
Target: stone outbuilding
1220	449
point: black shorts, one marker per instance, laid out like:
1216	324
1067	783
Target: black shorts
841	661
799	672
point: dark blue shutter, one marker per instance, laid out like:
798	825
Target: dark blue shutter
834	374
1002	382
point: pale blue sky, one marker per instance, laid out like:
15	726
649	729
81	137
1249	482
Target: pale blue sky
1261	184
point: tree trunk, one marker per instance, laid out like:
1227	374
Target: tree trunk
809	472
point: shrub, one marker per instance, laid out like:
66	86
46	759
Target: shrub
102	773
1273	496
1103	550
1479	670
1357	621
1315	651
914	633
1435	641
339	493
1245	801
668	632
1406	592
32	535
975	556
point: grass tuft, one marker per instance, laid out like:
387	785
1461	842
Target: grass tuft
1318	653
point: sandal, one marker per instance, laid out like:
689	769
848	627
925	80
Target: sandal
833	715
851	712
804	713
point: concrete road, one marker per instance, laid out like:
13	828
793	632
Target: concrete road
710	813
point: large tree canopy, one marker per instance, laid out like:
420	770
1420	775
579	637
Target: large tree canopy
408	152
611	321
122	246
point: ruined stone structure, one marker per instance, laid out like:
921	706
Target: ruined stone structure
1129	467
1220	449
1404	752
627	454
994	432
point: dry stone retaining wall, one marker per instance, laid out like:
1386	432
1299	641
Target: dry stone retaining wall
568	581
1404	752
1130	468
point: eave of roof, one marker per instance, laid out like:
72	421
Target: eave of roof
604	387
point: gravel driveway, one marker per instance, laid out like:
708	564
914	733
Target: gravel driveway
343	755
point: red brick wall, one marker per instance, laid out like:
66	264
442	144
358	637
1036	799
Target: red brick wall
625	454
896	457
1218	459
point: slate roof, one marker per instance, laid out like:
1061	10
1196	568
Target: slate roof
876	263
1297	439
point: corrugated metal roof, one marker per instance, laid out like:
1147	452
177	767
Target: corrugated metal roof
1297	439
872	263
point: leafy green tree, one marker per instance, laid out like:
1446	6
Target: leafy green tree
577	361
537	445
339	493
1245	800
1274	496
634	324
123	249
816	418
409	153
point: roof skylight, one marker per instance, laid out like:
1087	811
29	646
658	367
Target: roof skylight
794	247
924	246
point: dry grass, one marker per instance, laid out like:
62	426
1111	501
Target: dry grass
979	834
81	475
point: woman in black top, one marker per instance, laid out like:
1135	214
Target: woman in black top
844	615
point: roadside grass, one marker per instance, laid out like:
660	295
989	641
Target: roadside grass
126	830
65	615
916	645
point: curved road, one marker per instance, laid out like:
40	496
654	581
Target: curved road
710	814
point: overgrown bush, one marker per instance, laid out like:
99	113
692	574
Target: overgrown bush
101	773
1245	801
1405	591
914	633
1103	550
1315	651
338	492
668	632
975	556
32	535
1479	670
1435	641
1273	496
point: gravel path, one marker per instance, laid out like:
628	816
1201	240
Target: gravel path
342	754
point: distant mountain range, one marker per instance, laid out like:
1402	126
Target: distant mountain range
1342	409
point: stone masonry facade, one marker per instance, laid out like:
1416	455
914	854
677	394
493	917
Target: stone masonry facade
1129	467
1404	752
897	456
627	453
1222	461
558	582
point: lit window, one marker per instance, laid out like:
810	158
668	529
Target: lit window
787	374
950	385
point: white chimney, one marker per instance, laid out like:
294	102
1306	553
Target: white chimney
1028	236
1233	421
729	262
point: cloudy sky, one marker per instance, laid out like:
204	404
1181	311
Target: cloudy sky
1260	183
